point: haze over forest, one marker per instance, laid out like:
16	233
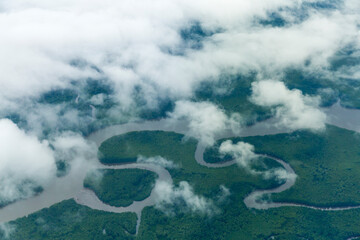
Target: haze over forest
69	69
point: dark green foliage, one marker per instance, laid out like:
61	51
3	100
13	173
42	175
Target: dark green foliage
68	220
76	100
344	60
96	86
17	119
150	111
62	168
173	147
121	187
58	96
160	111
232	92
262	164
194	35
306	82
274	20
236	221
125	148
212	155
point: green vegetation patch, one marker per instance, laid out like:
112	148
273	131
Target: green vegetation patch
172	146
127	147
262	163
121	187
236	221
70	221
327	165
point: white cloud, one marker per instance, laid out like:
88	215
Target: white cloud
128	41
272	50
206	120
279	174
125	39
42	117
169	197
224	194
293	109
6	230
242	152
73	148
22	158
160	161
98	99
27	163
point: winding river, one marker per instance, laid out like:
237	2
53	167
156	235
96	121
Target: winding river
71	185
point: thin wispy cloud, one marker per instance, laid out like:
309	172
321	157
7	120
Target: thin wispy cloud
206	120
292	109
170	198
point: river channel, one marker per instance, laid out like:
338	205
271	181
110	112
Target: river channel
71	185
